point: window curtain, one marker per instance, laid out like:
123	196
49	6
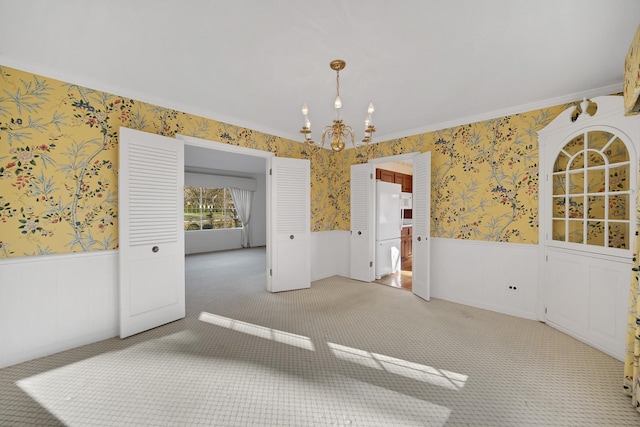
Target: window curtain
632	356
242	199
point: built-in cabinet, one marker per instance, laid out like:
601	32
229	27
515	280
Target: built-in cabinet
405	180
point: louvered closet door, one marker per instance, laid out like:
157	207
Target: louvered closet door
362	246
290	225
150	197
421	233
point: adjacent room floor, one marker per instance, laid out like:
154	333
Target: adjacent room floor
340	353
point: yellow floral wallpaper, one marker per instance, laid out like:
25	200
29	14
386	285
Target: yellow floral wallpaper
59	161
58	167
484	176
632	77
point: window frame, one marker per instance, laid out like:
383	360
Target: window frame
550	196
201	203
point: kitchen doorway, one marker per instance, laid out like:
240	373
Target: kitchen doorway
400	172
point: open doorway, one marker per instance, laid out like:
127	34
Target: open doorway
213	229
400	172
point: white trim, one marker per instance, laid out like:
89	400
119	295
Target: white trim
221	146
57	257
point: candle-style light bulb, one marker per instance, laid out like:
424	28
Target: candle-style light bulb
305	110
307	123
338	103
370	110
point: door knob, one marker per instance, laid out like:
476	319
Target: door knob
291	237
155	249
419	238
359	233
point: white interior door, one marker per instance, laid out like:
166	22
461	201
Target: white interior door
151	235
290	266
421	233
362	246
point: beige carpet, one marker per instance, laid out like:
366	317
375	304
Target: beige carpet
341	353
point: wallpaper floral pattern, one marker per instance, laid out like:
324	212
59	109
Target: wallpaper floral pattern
484	176
632	77
59	161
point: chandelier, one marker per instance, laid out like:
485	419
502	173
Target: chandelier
338	131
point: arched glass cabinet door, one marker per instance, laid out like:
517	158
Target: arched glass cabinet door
591	193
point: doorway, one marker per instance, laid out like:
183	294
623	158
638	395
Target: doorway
400	172
210	166
363	263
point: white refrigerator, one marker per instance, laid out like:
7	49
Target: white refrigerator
388	228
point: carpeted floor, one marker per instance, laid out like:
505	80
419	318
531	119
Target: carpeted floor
340	353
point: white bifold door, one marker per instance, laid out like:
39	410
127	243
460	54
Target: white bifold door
151	231
421	233
363	231
289	223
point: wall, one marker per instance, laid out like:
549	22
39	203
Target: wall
59	160
58	195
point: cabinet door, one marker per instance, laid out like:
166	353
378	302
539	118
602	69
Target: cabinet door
387	176
398	178
407	184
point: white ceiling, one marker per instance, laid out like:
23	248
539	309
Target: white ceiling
424	64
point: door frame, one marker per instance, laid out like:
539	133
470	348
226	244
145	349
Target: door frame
228	148
390	159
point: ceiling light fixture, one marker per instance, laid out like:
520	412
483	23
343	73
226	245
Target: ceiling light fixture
338	131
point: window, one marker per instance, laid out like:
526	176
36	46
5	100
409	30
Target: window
209	208
591	192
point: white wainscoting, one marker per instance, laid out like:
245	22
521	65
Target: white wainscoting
330	254
56	302
587	297
479	274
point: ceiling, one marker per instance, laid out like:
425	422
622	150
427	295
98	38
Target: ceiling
426	65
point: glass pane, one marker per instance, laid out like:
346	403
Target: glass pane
595	233
559	184
576	231
576	183
558	207
557	231
596	180
617	152
577	162
191	208
618	235
595	207
598	139
576	207
561	163
575	145
594	158
619	206
618	178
